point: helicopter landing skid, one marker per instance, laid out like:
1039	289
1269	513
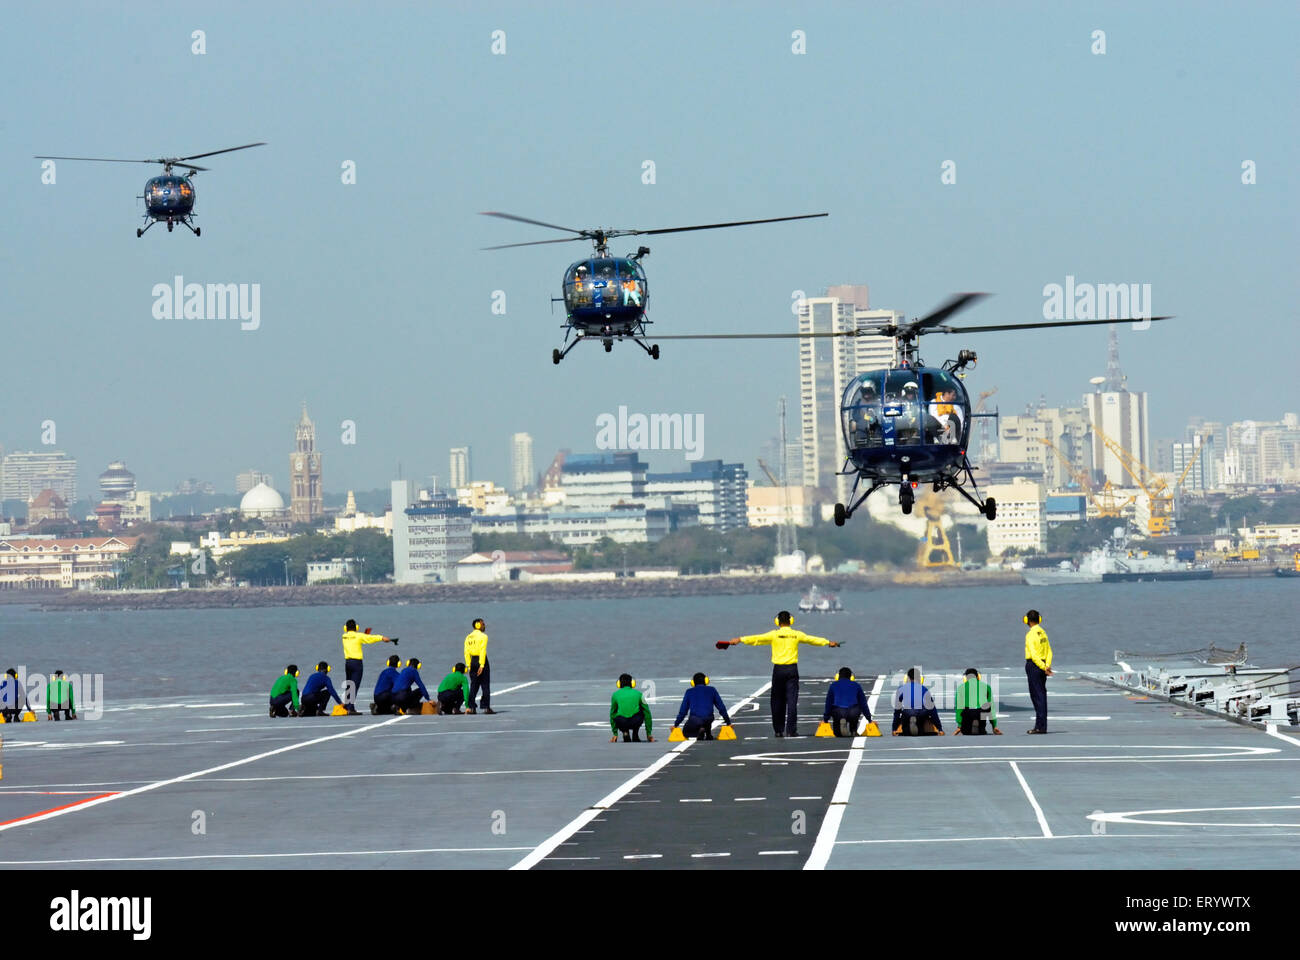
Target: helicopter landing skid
607	337
988	506
843	513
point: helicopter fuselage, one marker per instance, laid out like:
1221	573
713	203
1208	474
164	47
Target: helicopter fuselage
168	197
605	296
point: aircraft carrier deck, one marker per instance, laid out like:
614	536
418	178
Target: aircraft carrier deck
1121	781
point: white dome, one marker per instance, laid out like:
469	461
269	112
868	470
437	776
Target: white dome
261	501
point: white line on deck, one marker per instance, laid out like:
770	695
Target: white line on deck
702	800
805	798
544	849
747	799
189	776
701	856
1038	811
1271	730
260	856
825	842
517	686
643	856
777	853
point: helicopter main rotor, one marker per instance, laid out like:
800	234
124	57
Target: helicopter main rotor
167	162
600	238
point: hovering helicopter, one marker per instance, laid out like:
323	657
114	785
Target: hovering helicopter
909	424
169	198
605	297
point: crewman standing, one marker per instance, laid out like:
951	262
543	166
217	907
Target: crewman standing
317	691
1038	667
784	641
285	692
353	641
480	673
58	698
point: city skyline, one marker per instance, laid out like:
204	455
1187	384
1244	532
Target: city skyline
347	277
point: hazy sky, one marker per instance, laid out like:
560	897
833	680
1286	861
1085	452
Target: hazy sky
376	301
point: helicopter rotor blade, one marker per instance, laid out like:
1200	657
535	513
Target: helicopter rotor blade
212	153
1036	326
532	243
711	226
536	223
190	166
754	336
955	303
96	159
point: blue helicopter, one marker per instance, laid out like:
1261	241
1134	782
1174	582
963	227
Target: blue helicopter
909	424
168	198
605	297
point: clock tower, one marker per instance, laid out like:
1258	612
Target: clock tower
306	503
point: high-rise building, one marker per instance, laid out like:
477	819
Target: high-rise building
1021	516
1199	452
1020	440
1122	416
117	483
27	474
521	462
430	534
306	499
719	489
459	473
250	478
826	366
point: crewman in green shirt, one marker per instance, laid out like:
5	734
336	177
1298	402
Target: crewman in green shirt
627	711
285	691
453	692
58	698
976	712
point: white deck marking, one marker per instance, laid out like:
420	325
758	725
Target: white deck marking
1038	811
261	856
548	846
1272	731
830	828
748	799
517	686
702	856
1133	816
777	853
643	856
191	776
1032	836
805	798
703	800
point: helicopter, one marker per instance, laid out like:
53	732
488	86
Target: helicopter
168	198
605	297
909	424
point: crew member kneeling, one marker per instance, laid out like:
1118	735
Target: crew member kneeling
846	703
285	692
409	689
974	705
316	692
697	708
627	711
914	712
383	702
453	692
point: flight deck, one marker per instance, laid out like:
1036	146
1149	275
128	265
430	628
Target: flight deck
1121	780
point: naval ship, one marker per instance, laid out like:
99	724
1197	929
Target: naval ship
1115	562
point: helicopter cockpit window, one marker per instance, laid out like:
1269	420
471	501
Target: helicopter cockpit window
863	426
578	290
947	408
631	283
901	409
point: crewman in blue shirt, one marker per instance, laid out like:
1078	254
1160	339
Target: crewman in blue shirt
316	693
697	708
914	711
409	689
12	701
846	702
383	702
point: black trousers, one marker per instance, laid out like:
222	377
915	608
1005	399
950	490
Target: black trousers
315	704
384	702
785	698
351	681
477	682
450	700
850	716
281	703
630	724
12	716
698	727
917	723
974	723
407	699
1037	678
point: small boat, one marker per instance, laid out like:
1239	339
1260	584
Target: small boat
817	600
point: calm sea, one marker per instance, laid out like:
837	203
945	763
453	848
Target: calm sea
203	653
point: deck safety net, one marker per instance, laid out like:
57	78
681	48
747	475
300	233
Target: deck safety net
1210	654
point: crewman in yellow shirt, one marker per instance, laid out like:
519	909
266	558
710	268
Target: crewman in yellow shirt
480	674
353	641
784	641
1038	667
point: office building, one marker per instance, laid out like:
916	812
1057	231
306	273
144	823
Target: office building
458	473
718	489
431	533
1122	416
521	462
1021	520
24	475
250	478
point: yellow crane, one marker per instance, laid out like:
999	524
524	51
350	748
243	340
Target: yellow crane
1105	500
934	550
1160	497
